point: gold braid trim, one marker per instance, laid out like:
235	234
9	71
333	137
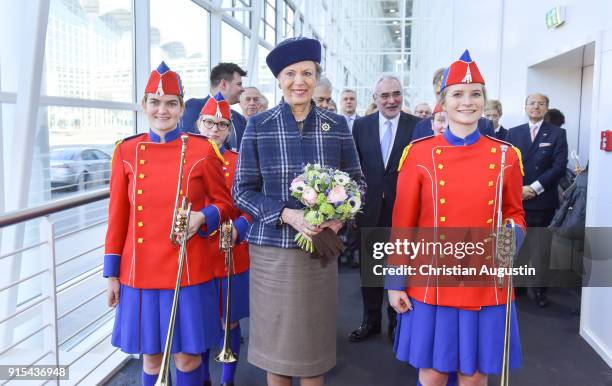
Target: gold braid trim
119	142
520	159
404	155
217	152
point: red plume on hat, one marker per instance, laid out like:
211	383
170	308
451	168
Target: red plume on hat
217	106
164	81
462	71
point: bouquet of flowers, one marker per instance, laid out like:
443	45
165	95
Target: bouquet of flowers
328	194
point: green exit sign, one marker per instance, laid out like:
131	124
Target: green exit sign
555	17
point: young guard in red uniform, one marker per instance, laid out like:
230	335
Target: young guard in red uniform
446	181
215	122
140	261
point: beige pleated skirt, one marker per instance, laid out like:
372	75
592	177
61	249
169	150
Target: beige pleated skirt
293	300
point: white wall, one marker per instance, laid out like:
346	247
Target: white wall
563	86
517	54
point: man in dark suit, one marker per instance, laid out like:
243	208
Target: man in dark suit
348	109
380	139
544	150
348	106
225	78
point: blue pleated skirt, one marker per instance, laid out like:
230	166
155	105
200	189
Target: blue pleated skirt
449	339
142	316
240	296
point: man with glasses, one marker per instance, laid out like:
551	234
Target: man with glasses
379	161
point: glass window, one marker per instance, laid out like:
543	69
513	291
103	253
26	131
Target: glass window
75	135
88	155
267	82
267	27
7	122
243	17
13	12
288	18
89	51
234	47
185	50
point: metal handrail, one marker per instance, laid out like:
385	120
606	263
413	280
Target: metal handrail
92	225
78	255
20	250
81	304
18	216
21	311
23	280
24	339
85	327
85	352
74	282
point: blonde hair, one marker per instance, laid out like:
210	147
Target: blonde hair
494	104
372	108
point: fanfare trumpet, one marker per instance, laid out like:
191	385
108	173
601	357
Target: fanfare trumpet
178	235
225	244
505	250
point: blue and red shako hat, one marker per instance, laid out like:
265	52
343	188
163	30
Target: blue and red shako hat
164	81
293	50
217	106
462	71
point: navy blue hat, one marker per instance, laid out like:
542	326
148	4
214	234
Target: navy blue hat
291	51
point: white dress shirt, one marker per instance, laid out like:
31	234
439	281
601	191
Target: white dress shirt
536	185
350	120
381	131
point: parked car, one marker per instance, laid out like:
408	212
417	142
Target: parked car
79	168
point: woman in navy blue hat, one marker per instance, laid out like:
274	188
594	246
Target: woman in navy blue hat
293	296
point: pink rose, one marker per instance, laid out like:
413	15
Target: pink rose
337	194
309	195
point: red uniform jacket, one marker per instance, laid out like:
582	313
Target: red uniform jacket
445	185
242	222
143	186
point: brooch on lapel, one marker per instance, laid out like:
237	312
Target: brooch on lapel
325	126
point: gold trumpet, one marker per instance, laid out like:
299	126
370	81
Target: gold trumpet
225	244
505	249
178	235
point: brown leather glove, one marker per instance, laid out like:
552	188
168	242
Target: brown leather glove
327	244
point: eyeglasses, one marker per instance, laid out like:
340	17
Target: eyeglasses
209	124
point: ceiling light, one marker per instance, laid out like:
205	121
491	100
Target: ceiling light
395	22
392	10
397	31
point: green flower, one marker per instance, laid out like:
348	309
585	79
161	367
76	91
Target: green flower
327	210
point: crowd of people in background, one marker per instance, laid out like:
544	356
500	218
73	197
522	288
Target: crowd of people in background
265	145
